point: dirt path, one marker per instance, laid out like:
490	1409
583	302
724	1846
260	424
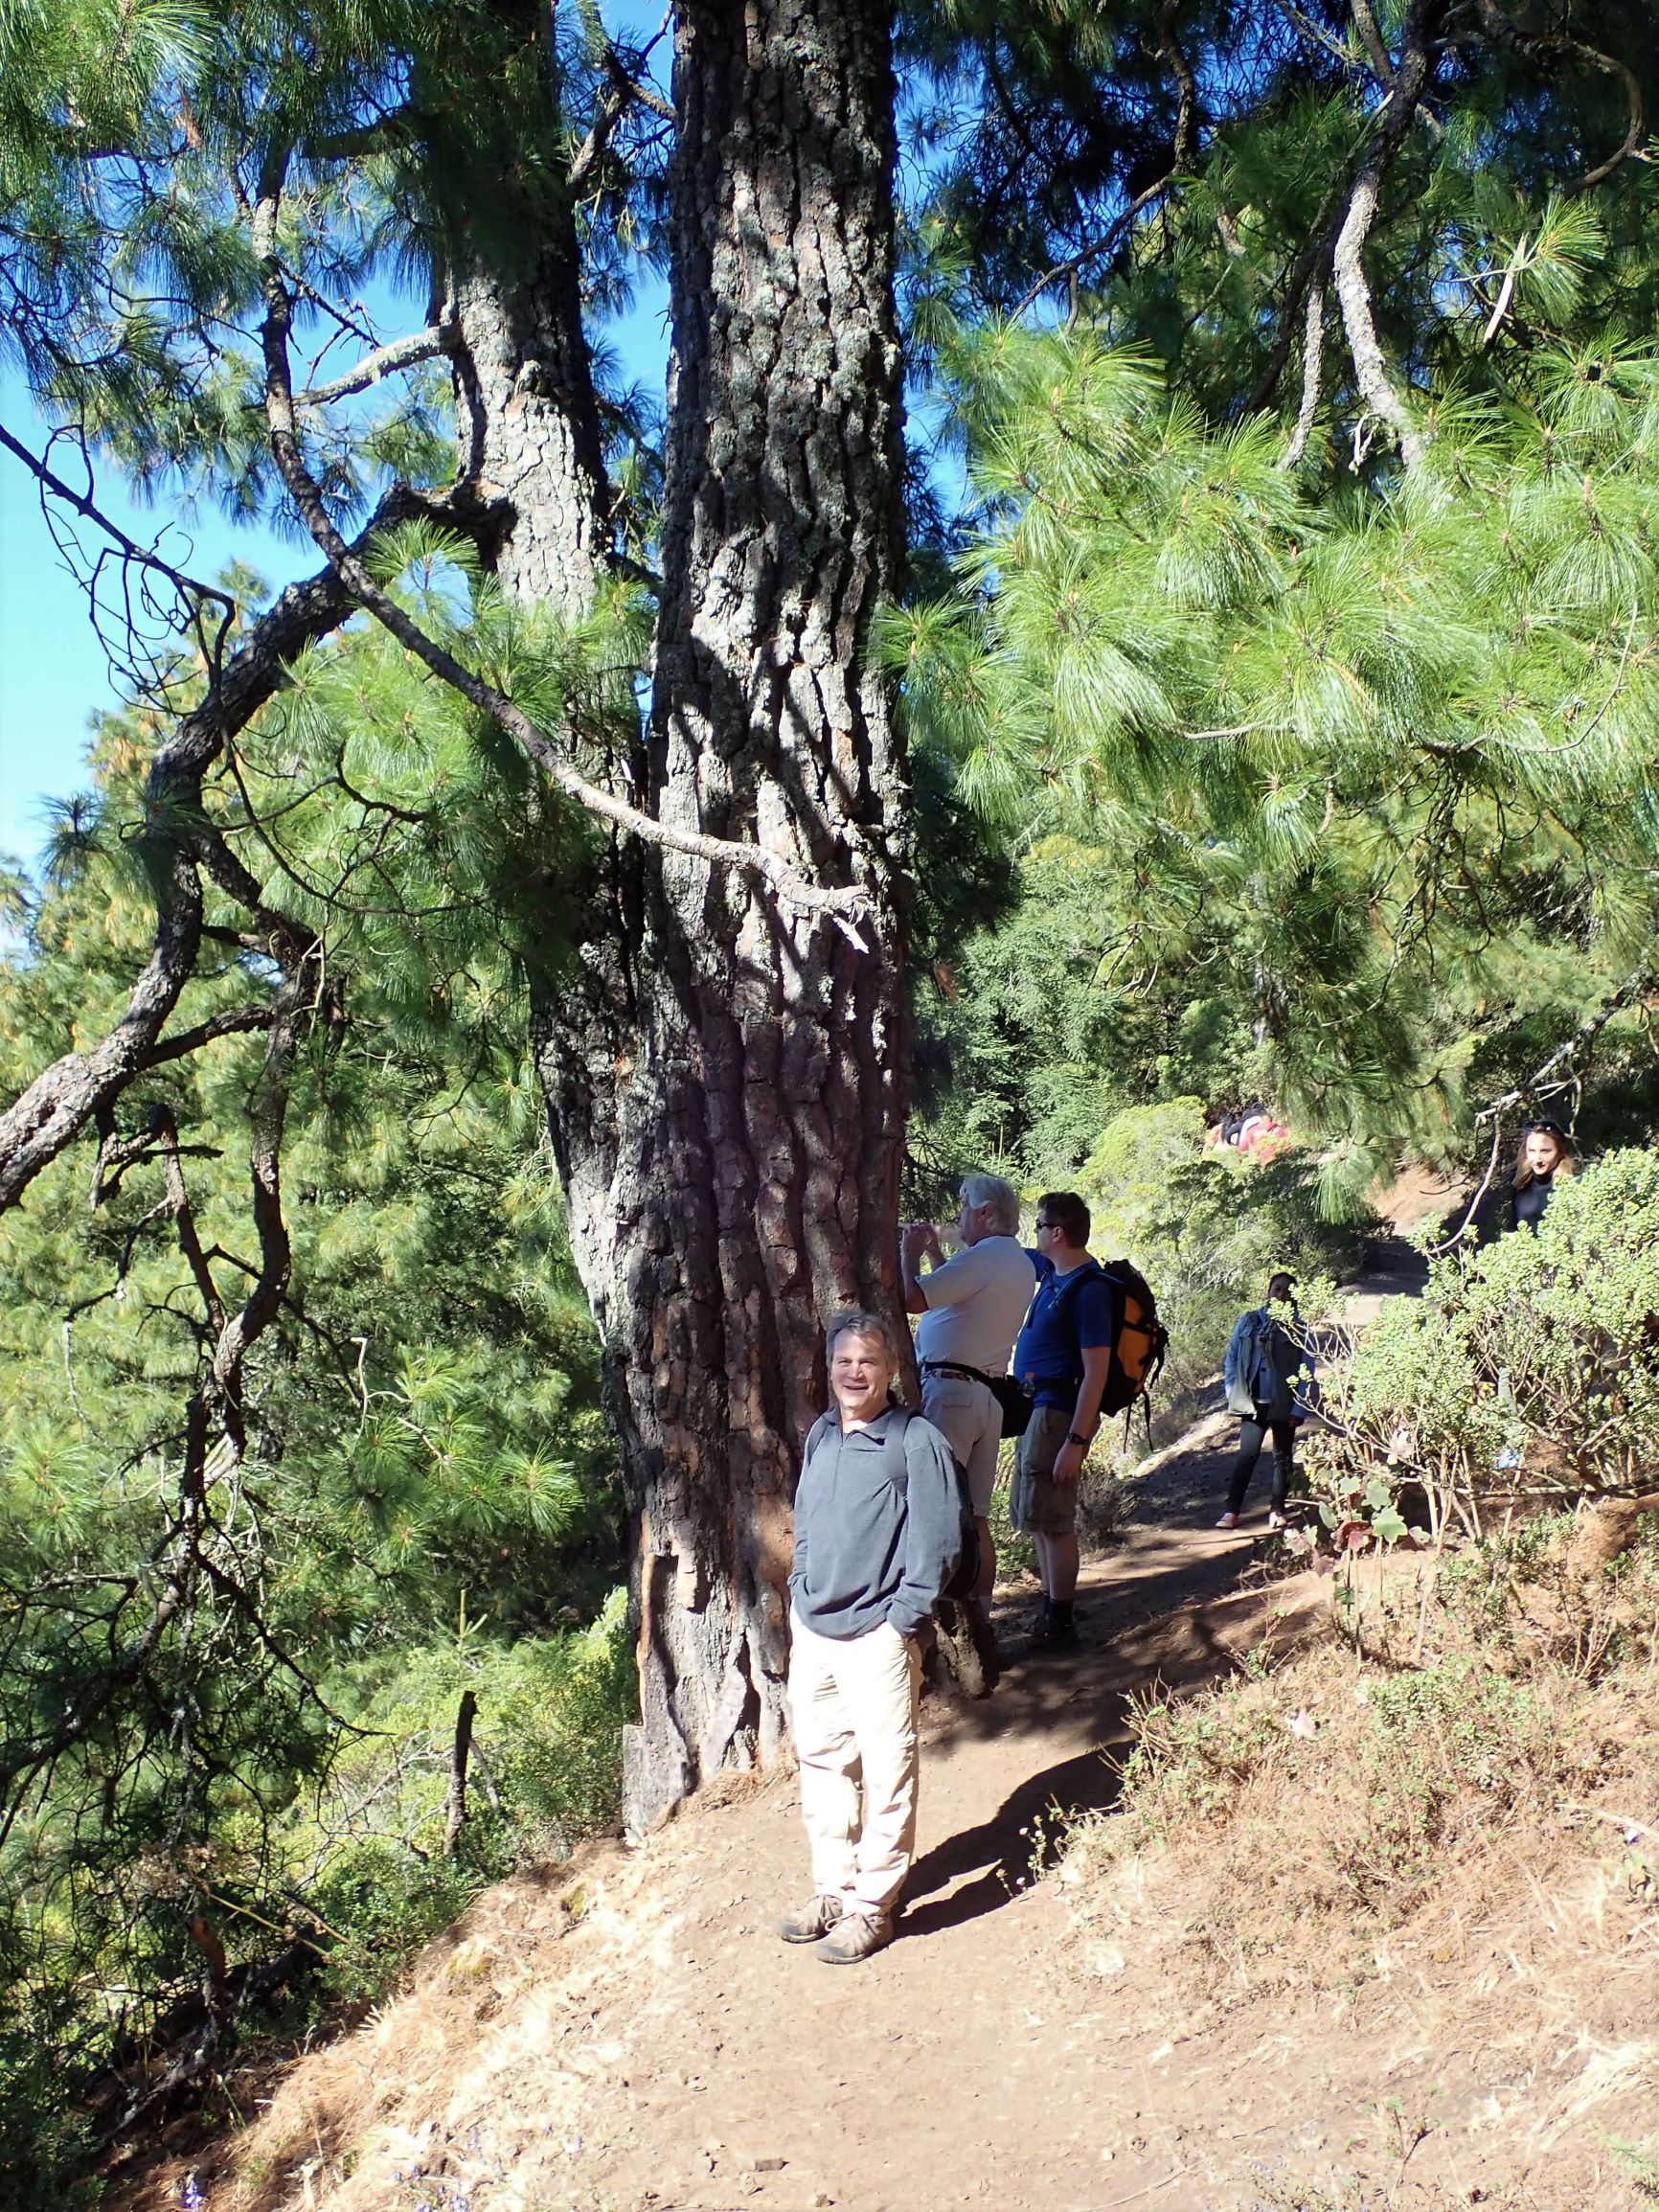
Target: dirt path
626	2034
633	2036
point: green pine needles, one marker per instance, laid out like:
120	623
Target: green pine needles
1345	759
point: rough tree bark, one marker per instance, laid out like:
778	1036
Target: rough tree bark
725	1080
529	423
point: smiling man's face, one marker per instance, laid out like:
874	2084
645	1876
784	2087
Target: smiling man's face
860	1371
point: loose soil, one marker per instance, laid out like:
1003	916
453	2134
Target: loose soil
626	2034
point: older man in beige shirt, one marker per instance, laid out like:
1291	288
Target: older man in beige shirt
971	1307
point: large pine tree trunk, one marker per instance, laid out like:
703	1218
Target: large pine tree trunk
726	1081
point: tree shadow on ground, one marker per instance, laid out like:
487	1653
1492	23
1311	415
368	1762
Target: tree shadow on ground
1021	1840
1173	1633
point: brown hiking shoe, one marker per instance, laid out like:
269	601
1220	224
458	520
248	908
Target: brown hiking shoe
856	1935
815	1918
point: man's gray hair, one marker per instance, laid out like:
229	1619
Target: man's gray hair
857	1321
1000	1201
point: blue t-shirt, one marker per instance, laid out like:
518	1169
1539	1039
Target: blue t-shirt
1061	1327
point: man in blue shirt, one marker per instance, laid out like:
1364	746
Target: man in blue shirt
1063	1357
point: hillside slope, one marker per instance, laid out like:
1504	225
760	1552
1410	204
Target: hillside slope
627	2036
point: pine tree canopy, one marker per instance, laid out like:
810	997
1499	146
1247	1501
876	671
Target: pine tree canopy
1343	757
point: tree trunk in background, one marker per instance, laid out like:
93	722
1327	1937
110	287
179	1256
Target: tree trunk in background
529	425
726	1083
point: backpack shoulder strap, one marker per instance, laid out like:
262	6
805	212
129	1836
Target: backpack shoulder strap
1091	1273
898	1459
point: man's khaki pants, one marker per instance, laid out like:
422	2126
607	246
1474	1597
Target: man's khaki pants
852	1708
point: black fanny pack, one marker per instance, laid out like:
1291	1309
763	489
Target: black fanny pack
1008	1391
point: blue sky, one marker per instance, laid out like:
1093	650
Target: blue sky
53	672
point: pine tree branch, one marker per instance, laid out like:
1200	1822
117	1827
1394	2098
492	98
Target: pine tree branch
1316	32
23	1765
238	1022
842	903
1312	364
1348	254
64	1097
1371	38
166	1131
1186	140
1181	153
1076	262
1554	45
1540	1081
405	352
1313	263
267	1117
191	592
621	93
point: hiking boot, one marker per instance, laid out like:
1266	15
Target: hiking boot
1228	1520
814	1919
1053	1634
855	1936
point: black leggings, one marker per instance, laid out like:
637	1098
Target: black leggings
1251	1437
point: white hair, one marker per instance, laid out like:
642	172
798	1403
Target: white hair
999	1200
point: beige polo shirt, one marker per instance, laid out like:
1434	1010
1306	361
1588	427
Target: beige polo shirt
976	1303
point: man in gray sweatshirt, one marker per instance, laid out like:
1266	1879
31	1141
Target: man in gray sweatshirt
878	1530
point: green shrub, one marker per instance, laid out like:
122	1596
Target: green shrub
1207	1228
44	2148
1189	1757
385	1904
1382	1783
352	1862
1527	1368
545	1772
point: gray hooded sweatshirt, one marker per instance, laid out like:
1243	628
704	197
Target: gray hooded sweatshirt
866	1550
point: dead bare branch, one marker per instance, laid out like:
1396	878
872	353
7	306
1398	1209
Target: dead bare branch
193	597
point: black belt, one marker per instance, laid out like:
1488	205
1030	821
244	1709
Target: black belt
955	1367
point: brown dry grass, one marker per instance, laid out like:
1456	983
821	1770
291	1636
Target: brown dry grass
1446	1841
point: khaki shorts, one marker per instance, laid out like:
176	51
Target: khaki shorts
1037	1506
969	1418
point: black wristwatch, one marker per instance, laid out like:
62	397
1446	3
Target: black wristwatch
1072	1437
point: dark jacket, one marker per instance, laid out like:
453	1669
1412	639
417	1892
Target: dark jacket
1526	1204
877	1524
